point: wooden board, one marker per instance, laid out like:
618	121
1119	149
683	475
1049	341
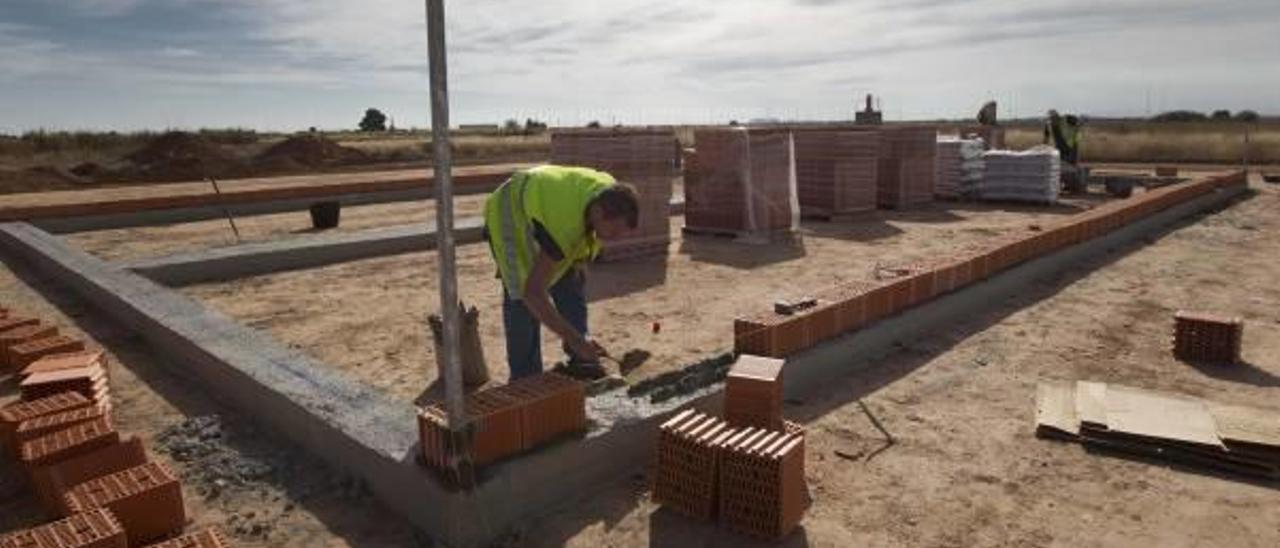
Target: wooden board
1247	424
1091	403
1140	413
1056	410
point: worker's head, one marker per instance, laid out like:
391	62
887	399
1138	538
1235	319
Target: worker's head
614	211
1071	120
1053	115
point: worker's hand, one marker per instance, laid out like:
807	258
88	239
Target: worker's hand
587	350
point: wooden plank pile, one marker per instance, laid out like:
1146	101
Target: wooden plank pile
646	158
1176	429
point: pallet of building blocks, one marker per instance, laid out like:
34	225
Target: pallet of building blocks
53	481
70	360
90	381
22	355
1032	175
836	171
762	483
647	159
97	528
19	335
67	443
208	538
147	500
1207	337
16	413
744	185
959	168
686	464
906	171
753	392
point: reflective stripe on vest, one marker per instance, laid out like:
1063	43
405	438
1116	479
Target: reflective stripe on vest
511	215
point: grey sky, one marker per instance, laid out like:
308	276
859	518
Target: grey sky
289	64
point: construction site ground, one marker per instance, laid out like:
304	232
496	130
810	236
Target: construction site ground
367	317
964	468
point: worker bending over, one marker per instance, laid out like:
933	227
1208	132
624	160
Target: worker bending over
543	225
1063	132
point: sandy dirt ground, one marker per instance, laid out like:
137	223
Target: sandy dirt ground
152	241
367	317
966	470
257	489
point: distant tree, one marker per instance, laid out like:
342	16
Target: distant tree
1180	116
1247	116
1221	114
594	124
374	120
733	123
511	126
532	126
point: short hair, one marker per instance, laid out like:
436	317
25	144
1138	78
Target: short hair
620	200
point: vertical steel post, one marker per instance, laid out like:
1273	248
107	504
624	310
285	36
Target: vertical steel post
449	310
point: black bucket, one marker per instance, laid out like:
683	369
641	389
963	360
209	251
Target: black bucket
325	215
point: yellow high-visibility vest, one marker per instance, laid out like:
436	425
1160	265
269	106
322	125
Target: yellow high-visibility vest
557	198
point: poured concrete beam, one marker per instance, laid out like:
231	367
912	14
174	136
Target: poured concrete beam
229	263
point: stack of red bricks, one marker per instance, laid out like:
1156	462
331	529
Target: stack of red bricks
836	170
61	433
895	288
746	471
906	172
743	183
508	419
1207	337
645	158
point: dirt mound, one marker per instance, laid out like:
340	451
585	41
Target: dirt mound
308	151
178	155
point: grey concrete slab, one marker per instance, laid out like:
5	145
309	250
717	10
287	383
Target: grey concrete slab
68	225
229	263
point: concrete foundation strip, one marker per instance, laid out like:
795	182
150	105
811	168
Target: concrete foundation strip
362	431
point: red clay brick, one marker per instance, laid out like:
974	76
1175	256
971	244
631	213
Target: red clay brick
1207	337
97	528
24	334
16	413
26	353
208	538
147	500
70	360
13	322
88	381
71	442
684	477
762	484
53	481
753	392
48	424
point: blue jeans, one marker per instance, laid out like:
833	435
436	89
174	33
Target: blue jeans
524	333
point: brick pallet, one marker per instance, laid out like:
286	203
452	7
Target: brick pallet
645	158
1207	337
762	483
743	184
509	419
850	306
685	471
97	528
753	393
905	174
147	500
836	171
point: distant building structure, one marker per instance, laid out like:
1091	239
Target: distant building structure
869	115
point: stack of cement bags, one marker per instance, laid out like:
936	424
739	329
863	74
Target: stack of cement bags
1022	176
960	167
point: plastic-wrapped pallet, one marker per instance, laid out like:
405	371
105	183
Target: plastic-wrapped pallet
1022	176
960	167
906	173
744	185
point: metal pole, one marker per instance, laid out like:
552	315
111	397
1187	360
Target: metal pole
460	448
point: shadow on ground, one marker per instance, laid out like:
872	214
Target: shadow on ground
740	255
